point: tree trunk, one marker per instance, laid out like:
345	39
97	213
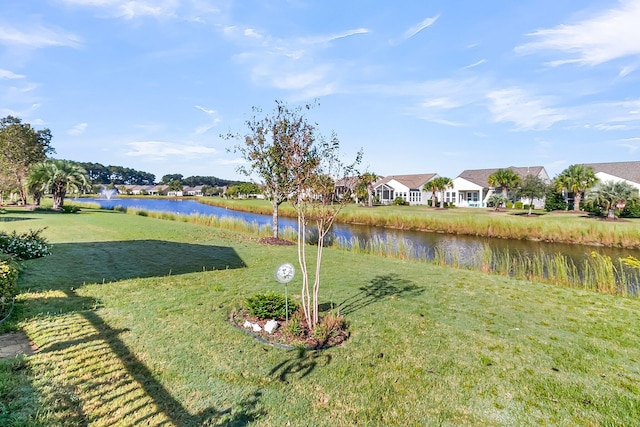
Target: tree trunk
275	218
576	201
58	200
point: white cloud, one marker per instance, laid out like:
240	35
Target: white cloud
427	22
162	150
475	64
626	70
612	34
6	74
213	114
188	11
130	9
78	129
37	36
527	112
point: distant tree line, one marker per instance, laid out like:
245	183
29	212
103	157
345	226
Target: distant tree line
192	181
117	175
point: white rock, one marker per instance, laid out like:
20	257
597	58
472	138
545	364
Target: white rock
247	324
271	326
256	327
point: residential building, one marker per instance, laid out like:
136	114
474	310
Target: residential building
471	188
407	187
617	171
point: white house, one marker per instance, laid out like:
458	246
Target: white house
406	187
617	171
471	188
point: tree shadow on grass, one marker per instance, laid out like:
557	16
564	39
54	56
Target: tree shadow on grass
75	264
75	336
84	338
301	365
380	287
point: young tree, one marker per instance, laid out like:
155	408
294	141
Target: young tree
505	178
265	146
315	166
21	147
58	177
532	187
576	179
608	194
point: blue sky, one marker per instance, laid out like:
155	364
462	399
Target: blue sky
421	86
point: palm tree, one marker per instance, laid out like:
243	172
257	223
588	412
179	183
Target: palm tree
576	179
608	194
505	178
364	186
58	177
442	183
497	200
432	186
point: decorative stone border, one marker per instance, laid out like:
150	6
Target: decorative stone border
260	338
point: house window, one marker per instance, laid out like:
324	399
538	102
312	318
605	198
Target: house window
450	197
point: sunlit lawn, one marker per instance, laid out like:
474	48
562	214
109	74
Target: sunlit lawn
131	316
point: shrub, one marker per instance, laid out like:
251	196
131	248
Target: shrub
8	280
518	205
27	245
399	201
631	210
70	209
269	306
554	201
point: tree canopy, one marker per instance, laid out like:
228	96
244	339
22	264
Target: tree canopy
505	178
532	187
576	179
58	177
266	148
611	195
21	147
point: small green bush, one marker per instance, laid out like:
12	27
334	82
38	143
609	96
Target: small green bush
8	279
27	245
70	209
518	205
269	306
399	201
631	210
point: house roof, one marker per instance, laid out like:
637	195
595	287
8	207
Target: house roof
625	170
414	182
348	182
481	176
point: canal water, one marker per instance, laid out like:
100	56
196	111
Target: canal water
427	245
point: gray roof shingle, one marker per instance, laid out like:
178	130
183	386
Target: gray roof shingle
625	170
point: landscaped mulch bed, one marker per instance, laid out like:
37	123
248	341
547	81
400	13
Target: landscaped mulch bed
282	338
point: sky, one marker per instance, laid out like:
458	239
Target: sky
423	86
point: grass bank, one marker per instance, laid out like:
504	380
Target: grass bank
131	317
557	227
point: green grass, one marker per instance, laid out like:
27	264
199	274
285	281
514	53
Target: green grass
131	316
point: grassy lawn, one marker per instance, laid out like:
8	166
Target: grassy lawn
131	317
